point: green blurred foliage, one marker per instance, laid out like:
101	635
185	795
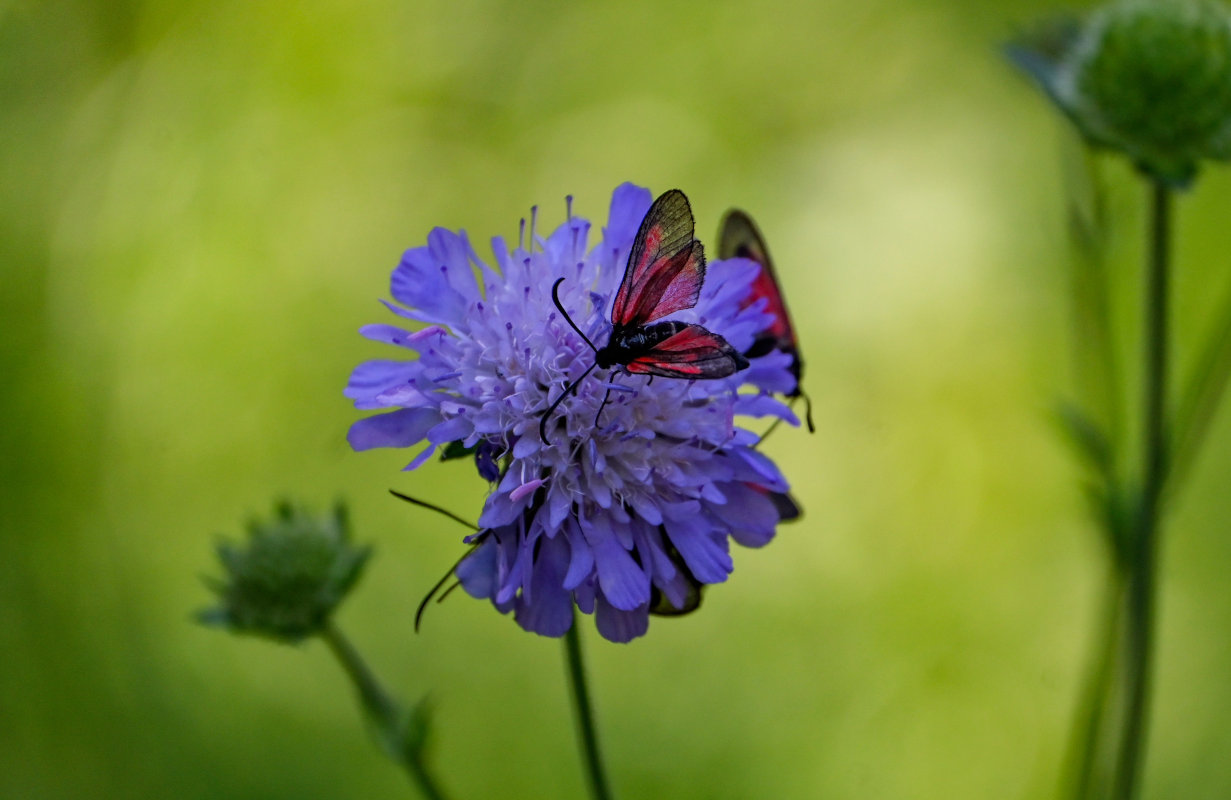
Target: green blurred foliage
201	202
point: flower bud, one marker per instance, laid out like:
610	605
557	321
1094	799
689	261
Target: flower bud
293	573
1150	78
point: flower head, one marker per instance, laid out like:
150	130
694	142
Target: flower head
287	581
616	512
1151	78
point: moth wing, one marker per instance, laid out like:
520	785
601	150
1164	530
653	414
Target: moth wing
739	237
693	352
666	266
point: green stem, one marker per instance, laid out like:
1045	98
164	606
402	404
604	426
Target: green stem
1142	579
584	714
1088	746
385	712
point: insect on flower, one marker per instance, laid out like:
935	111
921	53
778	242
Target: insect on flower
739	237
630	520
665	272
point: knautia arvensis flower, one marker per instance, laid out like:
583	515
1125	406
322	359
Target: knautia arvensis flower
621	513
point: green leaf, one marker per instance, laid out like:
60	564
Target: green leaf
1087	438
456	449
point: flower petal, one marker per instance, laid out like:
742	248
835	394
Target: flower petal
548	608
750	513
617	625
400	428
422	283
706	556
373	377
477	571
623	581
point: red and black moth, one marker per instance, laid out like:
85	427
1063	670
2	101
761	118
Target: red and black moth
664	274
739	237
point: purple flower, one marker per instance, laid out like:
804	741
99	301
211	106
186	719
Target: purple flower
620	516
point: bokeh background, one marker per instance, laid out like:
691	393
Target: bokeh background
201	202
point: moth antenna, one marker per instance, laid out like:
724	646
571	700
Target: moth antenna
607	397
555	298
428	597
448	591
773	426
808	411
568	389
432	507
601	406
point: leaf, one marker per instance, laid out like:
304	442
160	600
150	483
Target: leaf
1086	437
456	449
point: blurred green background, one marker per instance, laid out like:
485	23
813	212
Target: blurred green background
200	203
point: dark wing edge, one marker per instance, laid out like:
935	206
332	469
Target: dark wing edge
739	237
666	266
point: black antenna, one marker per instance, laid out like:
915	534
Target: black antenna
567	390
448	591
473	546
602	405
428	597
425	504
791	405
808	411
555	298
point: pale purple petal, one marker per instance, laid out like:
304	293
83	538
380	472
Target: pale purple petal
619	625
400	428
421	282
706	557
548	608
622	580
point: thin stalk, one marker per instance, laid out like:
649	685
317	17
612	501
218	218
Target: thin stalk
584	715
1142	579
385	712
1088	746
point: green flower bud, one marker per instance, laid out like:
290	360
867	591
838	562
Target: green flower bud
1150	78
287	581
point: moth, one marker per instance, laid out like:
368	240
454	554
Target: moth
664	274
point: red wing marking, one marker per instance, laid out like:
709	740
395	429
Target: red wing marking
739	238
666	266
694	352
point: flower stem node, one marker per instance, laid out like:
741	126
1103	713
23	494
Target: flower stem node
1149	78
286	582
